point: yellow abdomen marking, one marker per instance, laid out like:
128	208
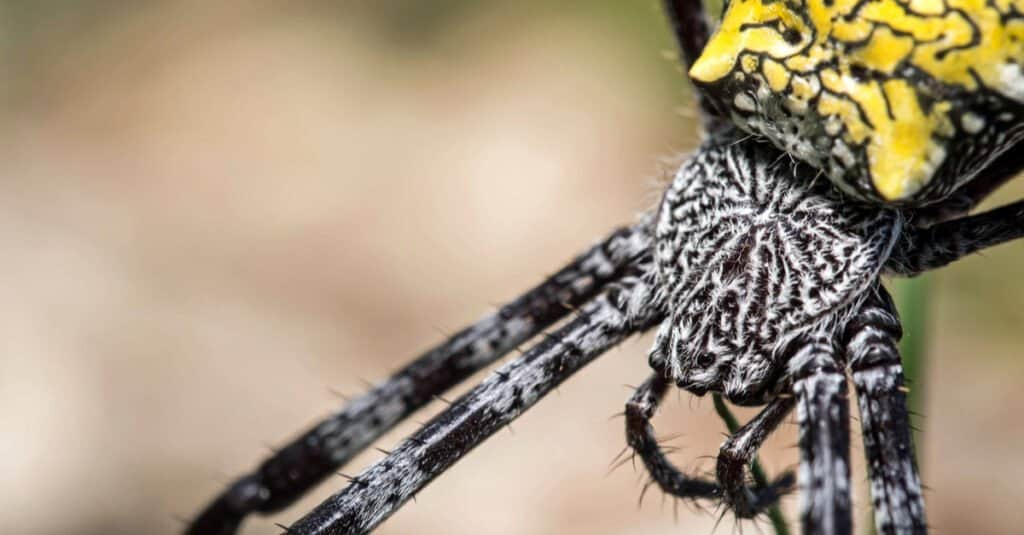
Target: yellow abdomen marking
884	69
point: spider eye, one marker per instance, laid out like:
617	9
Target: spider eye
705	360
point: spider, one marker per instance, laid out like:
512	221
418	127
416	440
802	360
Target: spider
764	284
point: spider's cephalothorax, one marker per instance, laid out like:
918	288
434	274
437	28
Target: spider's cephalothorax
752	254
895	100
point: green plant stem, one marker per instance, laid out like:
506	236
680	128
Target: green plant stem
774	513
912	301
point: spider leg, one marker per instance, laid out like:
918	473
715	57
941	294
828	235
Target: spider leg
380	490
921	250
641	438
1002	170
690	24
738	451
823	413
878	378
319	452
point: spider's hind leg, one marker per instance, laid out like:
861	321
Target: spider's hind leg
641	438
878	377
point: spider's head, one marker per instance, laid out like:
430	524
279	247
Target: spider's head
876	94
744	379
703	349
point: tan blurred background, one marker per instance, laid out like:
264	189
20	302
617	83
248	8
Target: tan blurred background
214	214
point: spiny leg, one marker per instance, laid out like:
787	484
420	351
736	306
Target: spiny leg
921	250
878	378
738	451
320	451
690	25
641	438
380	490
823	413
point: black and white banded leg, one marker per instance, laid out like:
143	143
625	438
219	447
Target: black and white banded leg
871	342
321	451
874	357
823	413
878	378
380	490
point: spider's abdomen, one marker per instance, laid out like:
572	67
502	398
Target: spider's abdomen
895	101
751	252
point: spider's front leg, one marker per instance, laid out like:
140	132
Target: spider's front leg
823	412
321	451
641	438
878	377
736	454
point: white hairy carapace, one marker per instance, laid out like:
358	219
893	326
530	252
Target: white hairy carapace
748	262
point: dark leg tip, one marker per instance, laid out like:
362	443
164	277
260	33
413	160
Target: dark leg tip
225	514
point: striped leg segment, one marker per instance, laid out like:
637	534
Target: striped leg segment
736	455
322	450
823	413
380	490
878	377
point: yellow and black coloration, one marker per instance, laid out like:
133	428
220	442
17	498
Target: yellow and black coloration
897	101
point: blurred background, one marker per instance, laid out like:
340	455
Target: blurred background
214	214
